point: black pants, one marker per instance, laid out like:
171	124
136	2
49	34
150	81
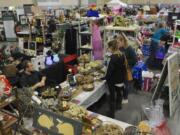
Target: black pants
152	57
115	99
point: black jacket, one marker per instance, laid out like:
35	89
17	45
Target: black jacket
116	72
130	55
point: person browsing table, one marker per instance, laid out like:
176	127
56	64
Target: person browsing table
115	76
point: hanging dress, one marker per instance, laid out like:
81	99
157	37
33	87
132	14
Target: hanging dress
97	43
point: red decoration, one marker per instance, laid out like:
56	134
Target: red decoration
5	87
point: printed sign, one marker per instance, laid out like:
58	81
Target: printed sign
54	124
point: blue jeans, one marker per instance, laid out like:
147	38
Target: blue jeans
128	88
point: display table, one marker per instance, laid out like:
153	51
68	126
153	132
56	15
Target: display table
86	99
110	120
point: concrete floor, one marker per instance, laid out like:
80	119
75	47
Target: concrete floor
132	112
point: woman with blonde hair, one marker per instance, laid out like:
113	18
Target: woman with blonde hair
131	57
115	76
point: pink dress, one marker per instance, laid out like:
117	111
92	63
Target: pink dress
97	43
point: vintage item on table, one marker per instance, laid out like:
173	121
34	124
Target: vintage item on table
63	105
49	93
85	58
90	124
88	67
76	112
109	129
49	103
84	70
88	87
144	128
65	94
98	75
87	82
71	79
131	130
95	64
82	79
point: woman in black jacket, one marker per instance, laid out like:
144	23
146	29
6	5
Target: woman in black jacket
115	76
131	57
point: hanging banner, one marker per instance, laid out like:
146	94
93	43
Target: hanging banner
48	3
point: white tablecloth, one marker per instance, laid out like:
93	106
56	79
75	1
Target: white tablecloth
87	98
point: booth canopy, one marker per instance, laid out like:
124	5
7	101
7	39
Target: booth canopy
115	3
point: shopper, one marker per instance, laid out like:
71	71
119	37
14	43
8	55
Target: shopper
155	43
131	57
115	76
31	78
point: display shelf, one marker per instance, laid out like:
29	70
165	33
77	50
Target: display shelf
86	47
133	28
85	33
118	28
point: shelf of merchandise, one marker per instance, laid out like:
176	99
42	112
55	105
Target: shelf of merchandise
87	47
134	29
177	23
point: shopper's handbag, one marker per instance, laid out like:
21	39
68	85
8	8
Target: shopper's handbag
160	53
128	70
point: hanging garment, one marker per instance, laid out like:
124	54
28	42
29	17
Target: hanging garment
71	41
97	43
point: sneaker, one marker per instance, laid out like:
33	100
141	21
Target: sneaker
125	101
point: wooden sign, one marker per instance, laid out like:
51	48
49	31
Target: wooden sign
54	124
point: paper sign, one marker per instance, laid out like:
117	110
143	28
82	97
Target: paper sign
54	124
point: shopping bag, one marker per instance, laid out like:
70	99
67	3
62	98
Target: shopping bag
128	70
147	84
160	53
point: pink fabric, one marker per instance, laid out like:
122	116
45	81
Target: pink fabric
97	43
147	84
162	129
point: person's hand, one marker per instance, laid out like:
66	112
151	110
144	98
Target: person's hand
39	84
42	83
